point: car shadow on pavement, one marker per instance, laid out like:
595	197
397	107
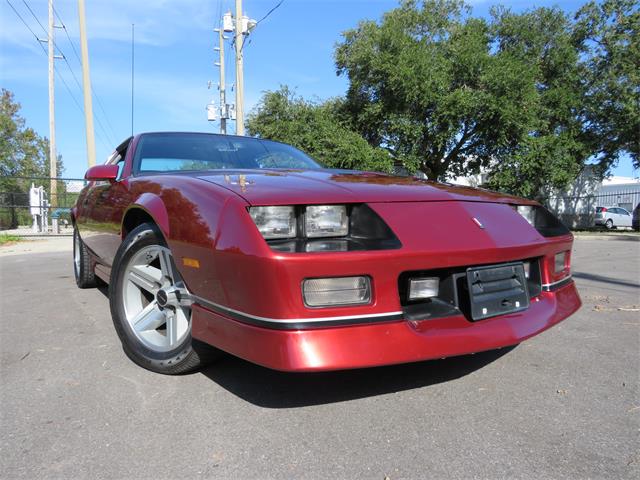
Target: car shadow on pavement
602	279
272	389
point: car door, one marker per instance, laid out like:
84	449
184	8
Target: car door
105	205
625	217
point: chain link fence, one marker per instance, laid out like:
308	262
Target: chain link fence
33	206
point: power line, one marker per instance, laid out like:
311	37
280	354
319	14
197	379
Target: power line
95	94
258	22
27	25
73	74
34	16
270	12
42	27
64	83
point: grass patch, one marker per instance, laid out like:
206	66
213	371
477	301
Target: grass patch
7	239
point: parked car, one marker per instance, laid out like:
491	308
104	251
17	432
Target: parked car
635	218
612	217
216	243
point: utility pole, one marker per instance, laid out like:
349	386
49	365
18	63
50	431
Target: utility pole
53	167
86	88
223	93
239	70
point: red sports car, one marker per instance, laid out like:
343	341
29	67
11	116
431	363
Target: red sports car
216	243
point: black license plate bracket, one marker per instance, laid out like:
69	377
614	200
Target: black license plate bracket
497	290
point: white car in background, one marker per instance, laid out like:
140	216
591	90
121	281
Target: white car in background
613	217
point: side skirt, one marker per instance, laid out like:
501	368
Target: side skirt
102	272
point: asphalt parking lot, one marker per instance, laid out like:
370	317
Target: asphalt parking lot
565	404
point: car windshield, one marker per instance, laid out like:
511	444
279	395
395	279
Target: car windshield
169	152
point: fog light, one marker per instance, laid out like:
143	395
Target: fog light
327	292
560	262
420	288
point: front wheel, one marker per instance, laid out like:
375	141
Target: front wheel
82	266
151	308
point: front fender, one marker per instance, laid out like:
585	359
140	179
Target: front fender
153	206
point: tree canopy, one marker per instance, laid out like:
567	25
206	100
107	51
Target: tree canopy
314	128
22	151
532	96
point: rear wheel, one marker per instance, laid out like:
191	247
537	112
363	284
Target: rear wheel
609	224
82	266
151	307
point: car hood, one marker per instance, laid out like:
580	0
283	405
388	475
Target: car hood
289	187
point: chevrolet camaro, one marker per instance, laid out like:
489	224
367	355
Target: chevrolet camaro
214	243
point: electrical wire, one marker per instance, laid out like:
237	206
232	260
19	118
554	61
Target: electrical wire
93	90
64	83
270	12
75	78
27	25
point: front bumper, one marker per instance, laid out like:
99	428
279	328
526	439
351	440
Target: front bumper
387	343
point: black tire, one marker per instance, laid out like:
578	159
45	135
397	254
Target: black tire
82	263
609	224
189	355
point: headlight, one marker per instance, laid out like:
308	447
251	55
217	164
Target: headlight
323	228
275	222
542	220
326	221
527	212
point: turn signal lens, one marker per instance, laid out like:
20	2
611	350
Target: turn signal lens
326	221
420	288
275	222
327	292
560	260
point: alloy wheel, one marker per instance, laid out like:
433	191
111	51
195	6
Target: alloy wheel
157	305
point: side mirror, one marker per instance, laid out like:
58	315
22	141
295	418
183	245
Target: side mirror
102	172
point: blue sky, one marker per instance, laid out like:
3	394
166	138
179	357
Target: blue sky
174	62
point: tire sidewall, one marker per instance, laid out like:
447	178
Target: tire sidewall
143	236
76	245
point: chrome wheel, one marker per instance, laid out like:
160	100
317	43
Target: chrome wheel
156	302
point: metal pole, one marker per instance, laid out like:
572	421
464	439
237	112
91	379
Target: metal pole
133	29
86	87
53	167
239	71
223	94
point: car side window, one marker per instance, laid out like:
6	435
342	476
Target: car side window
120	165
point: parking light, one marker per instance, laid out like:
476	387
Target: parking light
560	262
421	288
328	292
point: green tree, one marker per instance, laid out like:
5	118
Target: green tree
426	84
316	129
555	145
23	153
532	96
609	33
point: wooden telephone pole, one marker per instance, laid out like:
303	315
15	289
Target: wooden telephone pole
86	88
239	70
53	165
